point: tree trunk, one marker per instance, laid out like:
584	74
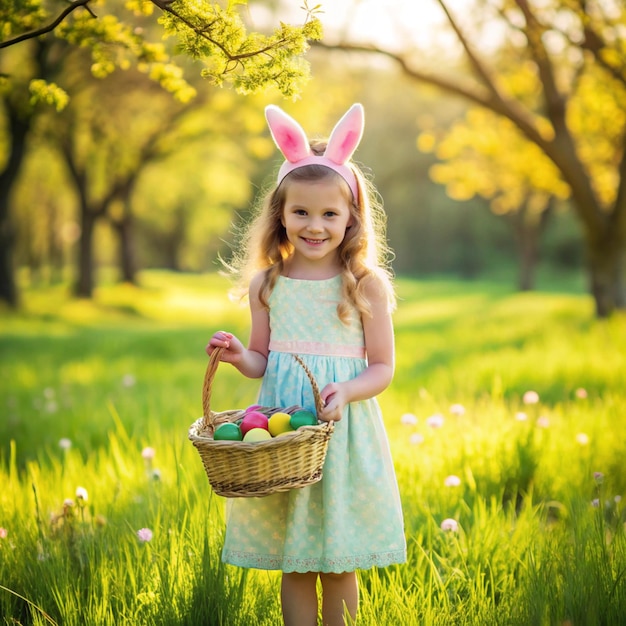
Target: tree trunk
170	254
8	288
85	280
528	261
128	266
174	240
620	295
527	249
90	212
528	230
605	258
55	247
18	128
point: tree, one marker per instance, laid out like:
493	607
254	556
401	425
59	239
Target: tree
36	40
570	45
185	202
486	155
110	131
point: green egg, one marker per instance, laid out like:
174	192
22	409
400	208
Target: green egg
227	432
302	418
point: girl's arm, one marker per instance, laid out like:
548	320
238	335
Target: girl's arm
250	361
379	346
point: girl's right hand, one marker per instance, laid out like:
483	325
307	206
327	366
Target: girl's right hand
233	348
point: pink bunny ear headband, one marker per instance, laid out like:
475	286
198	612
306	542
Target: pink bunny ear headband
293	143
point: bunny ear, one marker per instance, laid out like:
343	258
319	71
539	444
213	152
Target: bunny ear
287	134
346	135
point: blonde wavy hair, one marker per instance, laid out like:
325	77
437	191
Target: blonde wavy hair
262	245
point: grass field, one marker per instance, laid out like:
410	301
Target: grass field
507	421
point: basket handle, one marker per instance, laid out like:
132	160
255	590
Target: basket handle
209	375
319	403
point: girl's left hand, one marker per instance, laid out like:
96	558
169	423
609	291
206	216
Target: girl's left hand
334	402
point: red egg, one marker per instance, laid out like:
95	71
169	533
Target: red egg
251	420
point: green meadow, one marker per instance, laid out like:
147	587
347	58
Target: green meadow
506	418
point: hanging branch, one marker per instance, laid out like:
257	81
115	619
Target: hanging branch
50	27
203	31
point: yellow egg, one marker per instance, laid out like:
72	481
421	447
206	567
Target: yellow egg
279	423
254	435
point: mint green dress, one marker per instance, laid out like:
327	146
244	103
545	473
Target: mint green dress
352	518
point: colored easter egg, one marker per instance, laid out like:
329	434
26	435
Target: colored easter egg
279	423
251	420
254	435
227	432
252	407
302	418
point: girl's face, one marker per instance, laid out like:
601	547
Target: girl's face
316	215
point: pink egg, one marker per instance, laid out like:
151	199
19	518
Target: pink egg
254	419
252	407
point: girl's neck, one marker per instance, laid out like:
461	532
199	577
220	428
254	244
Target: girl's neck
302	270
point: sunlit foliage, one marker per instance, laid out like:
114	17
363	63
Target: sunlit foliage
486	155
117	36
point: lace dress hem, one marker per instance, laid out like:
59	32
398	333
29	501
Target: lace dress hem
303	565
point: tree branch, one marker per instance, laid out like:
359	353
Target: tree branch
554	100
495	102
479	67
50	27
201	31
594	42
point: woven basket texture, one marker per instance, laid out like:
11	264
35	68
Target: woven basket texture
238	469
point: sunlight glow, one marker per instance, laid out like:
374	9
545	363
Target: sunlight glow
393	25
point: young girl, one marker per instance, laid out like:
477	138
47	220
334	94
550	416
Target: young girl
314	260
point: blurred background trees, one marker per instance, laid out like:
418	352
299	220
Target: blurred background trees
495	139
51	54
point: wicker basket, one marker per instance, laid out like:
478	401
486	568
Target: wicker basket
240	469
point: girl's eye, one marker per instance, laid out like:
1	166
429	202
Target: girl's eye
330	214
300	212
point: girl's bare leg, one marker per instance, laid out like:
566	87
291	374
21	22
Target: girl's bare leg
339	590
298	596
